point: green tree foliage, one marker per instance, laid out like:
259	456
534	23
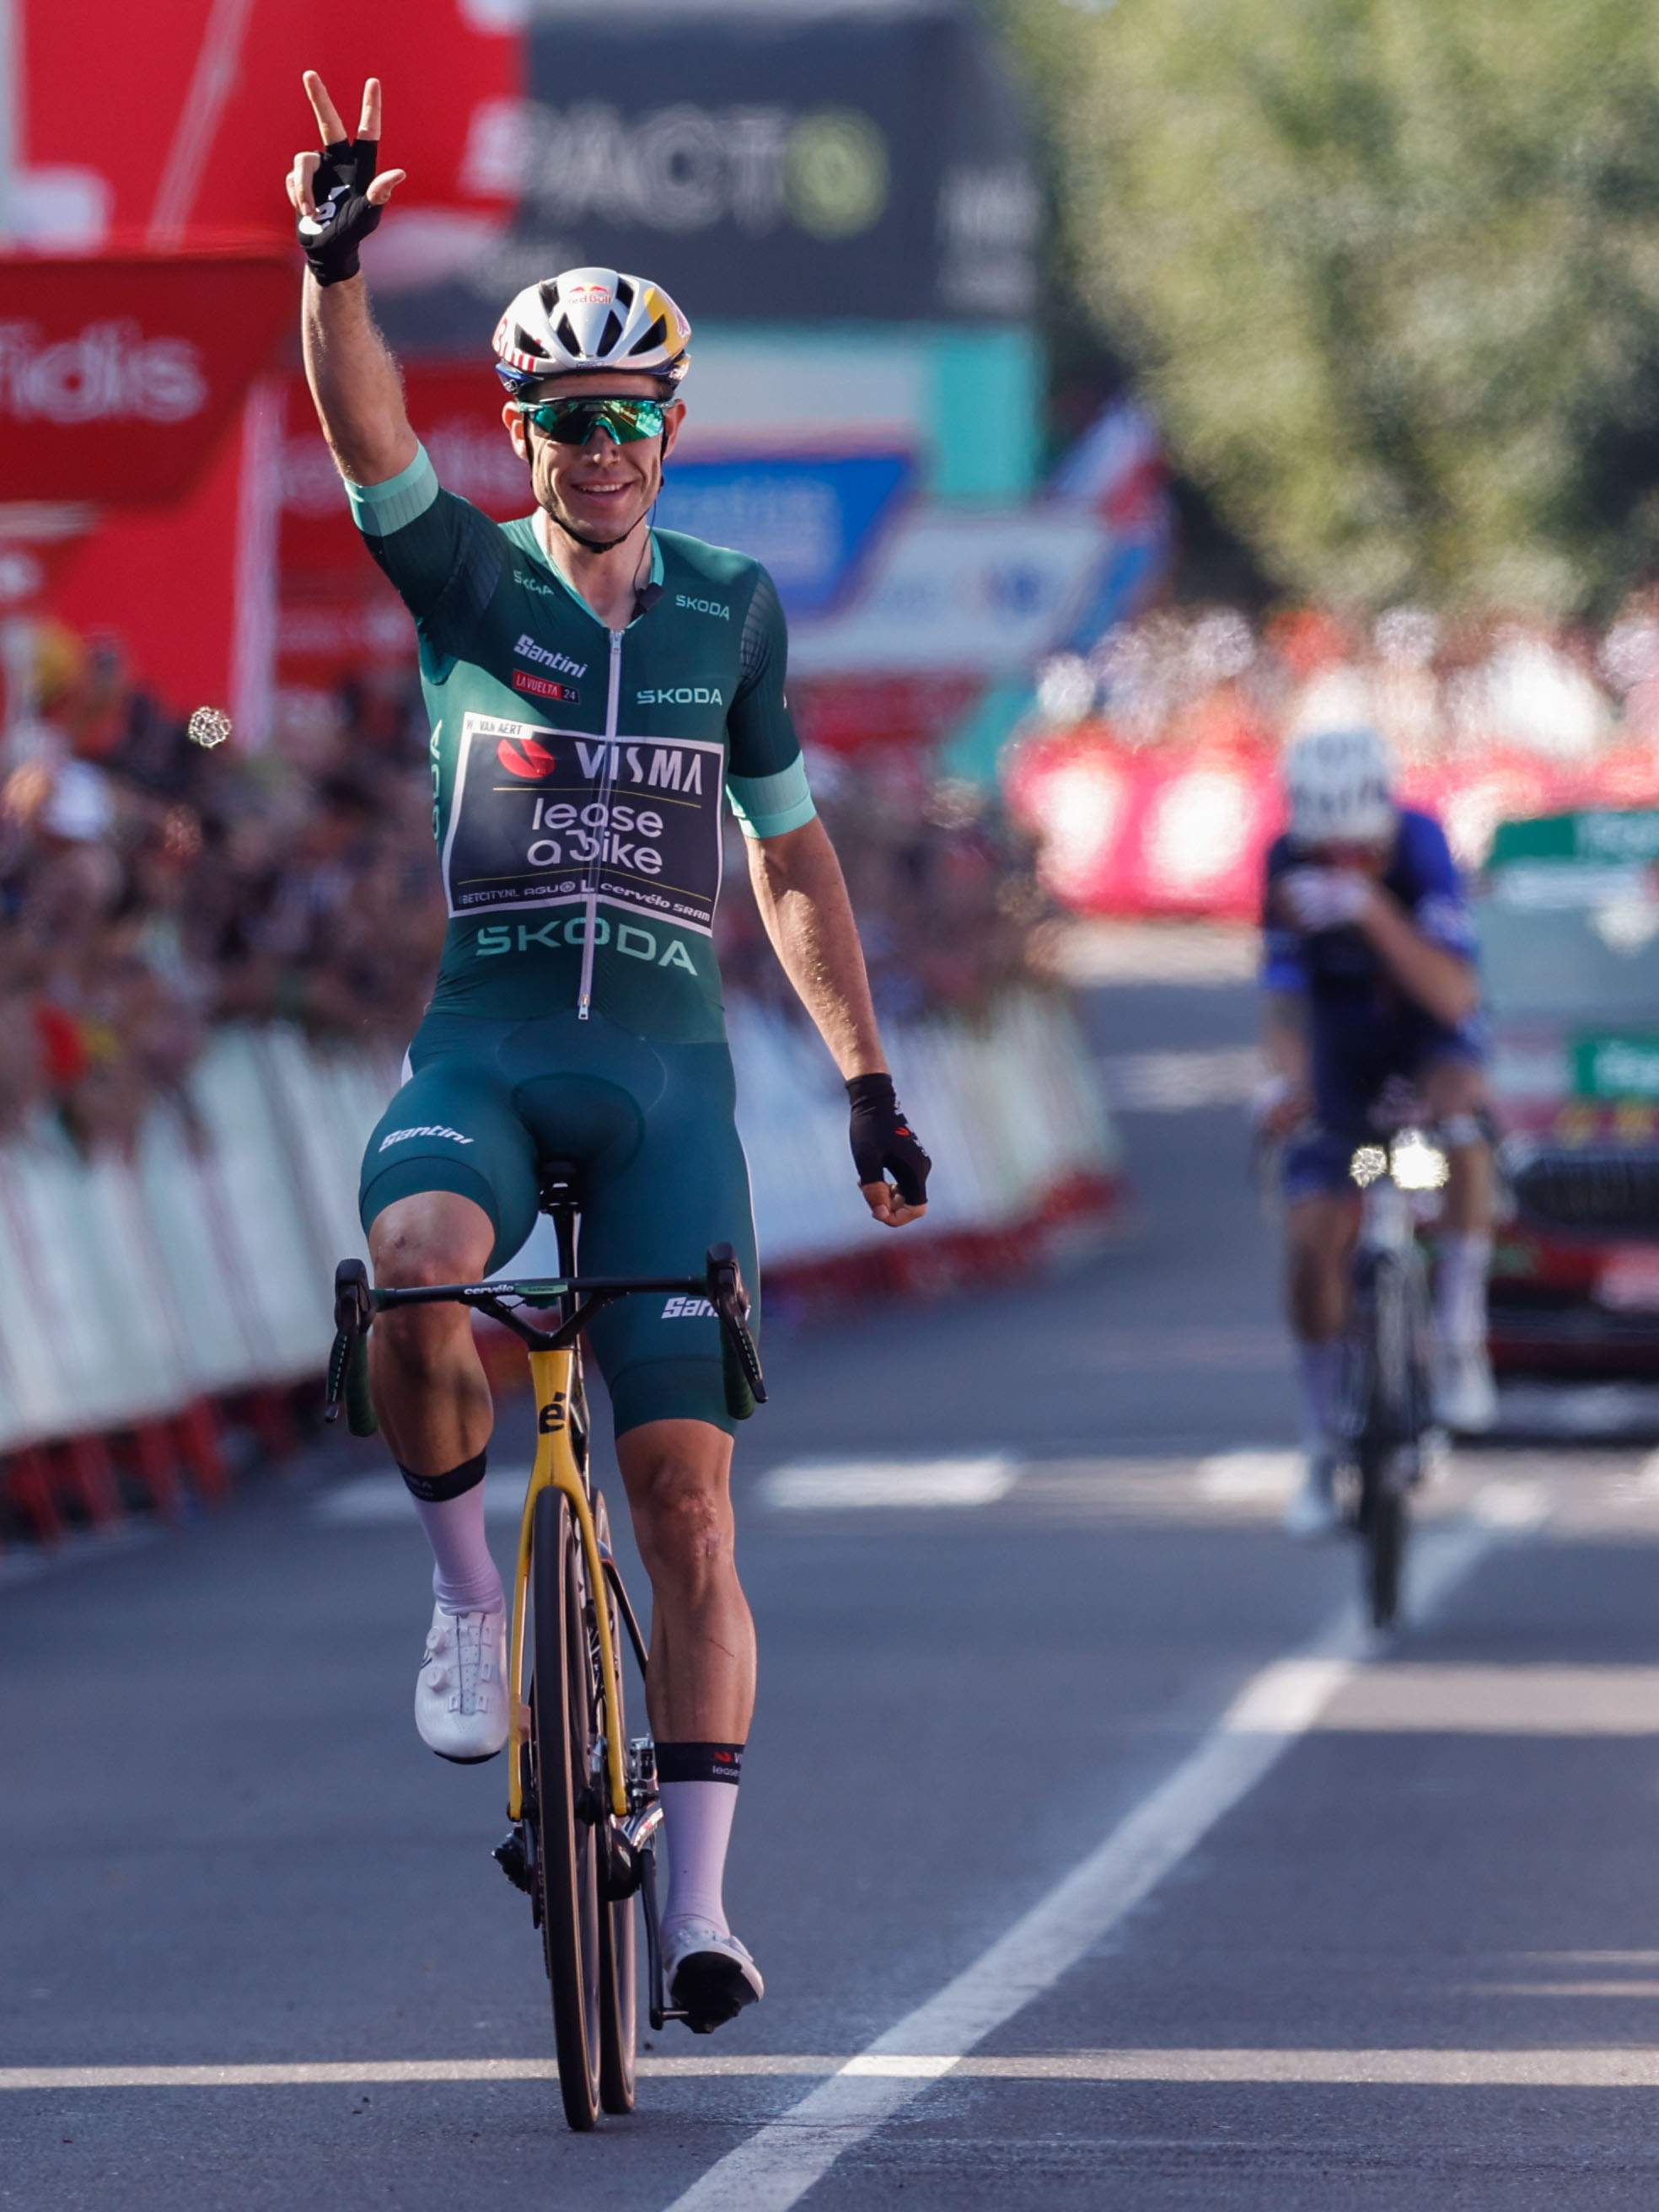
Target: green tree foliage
1389	269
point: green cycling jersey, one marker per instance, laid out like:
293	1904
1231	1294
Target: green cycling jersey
578	771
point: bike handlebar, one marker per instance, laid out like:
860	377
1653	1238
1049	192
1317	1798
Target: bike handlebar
357	1304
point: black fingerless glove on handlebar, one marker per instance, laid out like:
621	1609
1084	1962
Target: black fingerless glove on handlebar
345	213
883	1141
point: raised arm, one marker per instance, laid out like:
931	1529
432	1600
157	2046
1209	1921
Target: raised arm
354	380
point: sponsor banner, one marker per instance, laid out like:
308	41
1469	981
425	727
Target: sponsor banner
118	379
1124	830
811	520
762	166
1621	1066
200	158
36	543
1605	836
845	713
541	817
983	593
187	590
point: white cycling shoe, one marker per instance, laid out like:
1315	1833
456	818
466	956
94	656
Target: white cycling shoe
709	1974
460	1693
1313	1513
1464	1395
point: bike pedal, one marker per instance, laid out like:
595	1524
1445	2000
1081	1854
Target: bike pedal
513	1855
624	1872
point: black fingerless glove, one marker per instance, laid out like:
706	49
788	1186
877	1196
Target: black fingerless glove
883	1143
345	213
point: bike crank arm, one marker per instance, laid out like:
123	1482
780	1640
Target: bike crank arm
661	2011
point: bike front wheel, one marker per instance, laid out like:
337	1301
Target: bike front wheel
568	1810
1382	1529
619	1973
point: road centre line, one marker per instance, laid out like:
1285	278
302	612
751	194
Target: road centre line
775	2168
1574	2067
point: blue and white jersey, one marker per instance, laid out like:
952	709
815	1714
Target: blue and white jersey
1347	986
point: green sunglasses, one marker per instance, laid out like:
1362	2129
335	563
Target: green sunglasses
573	421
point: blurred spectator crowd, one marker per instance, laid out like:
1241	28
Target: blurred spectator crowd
151	888
1210	677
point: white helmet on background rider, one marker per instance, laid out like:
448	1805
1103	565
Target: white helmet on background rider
586	321
1340	784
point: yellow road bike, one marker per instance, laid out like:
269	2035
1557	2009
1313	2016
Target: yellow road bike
582	1797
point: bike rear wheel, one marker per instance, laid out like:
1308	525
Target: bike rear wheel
619	1973
569	1837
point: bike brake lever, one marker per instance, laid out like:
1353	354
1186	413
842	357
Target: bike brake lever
338	1361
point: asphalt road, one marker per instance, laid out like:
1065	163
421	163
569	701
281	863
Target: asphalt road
1074	1791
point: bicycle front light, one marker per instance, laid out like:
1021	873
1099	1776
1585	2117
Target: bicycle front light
1370	1162
1418	1165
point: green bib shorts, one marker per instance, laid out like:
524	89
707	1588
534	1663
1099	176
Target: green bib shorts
663	1177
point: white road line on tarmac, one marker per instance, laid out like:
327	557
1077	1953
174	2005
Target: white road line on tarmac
1252	1472
77	1549
382	1500
842	1485
1573	2067
1177	1082
777	2167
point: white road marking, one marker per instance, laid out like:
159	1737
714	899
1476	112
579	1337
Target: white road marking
1179	1081
1577	1409
1407	1696
1252	1472
1508	1504
847	1485
383	1500
1574	2067
777	2167
77	1549
1113	952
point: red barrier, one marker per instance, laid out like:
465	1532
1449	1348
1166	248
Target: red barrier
86	1475
29	1493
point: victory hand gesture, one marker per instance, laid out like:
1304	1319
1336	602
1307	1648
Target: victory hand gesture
336	194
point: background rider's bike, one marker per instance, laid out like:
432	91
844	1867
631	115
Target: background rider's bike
1386	1400
582	1796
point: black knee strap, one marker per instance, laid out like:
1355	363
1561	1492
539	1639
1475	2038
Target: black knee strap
439	1489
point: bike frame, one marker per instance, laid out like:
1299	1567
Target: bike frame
553	1375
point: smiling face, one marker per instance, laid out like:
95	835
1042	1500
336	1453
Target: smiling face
600	491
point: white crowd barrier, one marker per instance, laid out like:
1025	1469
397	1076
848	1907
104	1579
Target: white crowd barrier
129	1288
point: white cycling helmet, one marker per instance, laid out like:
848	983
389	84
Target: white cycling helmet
1340	787
585	321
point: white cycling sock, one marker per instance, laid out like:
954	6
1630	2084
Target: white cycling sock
697	1817
1320	1366
465	1579
1459	1295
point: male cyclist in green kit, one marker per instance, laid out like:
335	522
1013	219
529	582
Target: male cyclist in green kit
594	686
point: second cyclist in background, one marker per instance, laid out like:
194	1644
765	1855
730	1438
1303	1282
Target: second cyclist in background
1370	979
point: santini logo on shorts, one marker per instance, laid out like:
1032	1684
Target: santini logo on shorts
688	1310
427	1129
